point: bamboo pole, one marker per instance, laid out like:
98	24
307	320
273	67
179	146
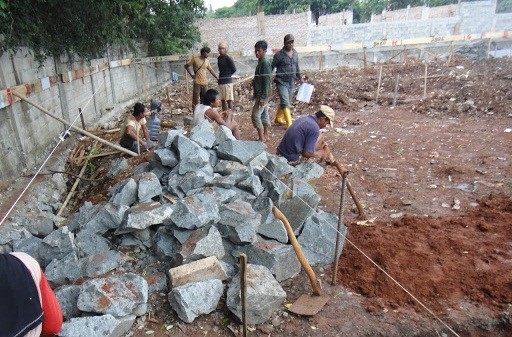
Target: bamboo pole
425	82
98	155
243	292
378	85
77	129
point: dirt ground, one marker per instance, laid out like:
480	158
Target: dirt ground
434	176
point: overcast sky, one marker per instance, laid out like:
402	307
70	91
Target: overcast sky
218	3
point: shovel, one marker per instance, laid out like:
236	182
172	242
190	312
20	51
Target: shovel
306	305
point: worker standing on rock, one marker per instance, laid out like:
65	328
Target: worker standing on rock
303	137
131	137
226	70
262	89
199	64
286	63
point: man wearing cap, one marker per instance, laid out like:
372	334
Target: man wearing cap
286	63
303	137
199	64
226	70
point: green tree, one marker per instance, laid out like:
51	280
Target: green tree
87	27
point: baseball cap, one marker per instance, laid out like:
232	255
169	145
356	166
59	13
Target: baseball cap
288	38
329	113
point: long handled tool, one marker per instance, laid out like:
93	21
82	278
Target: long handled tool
243	292
341	168
306	305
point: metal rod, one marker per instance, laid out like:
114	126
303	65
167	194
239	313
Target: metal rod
77	129
81	118
243	292
340	224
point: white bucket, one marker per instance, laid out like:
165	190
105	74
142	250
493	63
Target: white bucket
305	92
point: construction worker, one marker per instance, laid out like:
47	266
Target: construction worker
226	70
134	133
262	89
286	63
303	138
199	64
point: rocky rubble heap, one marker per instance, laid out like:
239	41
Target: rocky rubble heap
197	205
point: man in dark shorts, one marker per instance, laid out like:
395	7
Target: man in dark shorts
303	138
226	70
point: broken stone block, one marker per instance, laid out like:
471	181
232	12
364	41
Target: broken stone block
307	171
141	216
68	297
194	299
202	243
279	258
241	151
318	238
258	163
167	138
39	225
167	157
264	294
301	206
203	134
157	282
58	244
105	325
270	226
65	270
223	133
100	263
28	245
165	244
124	193
252	184
89	243
192	156
196	179
192	213
118	165
149	187
239	222
118	295
205	269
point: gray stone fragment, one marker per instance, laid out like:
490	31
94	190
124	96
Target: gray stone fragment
118	295
276	167
192	156
58	244
263	293
270	226
84	215
141	168
160	170
213	157
65	270
192	212
318	238
117	166
167	157
157	282
275	190
196	179
251	184
301	205
149	187
279	258
88	243
223	195
194	299
142	216
166	139
259	162
239	222
223	181
182	234
242	151
204	242
222	134
37	224
28	245
68	297
229	167
165	244
307	171
100	263
112	215
10	232
105	325
125	194
203	134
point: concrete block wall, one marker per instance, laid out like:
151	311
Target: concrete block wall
476	16
503	22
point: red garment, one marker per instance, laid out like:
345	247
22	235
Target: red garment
52	319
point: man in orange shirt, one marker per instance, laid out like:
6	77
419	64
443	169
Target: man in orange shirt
199	64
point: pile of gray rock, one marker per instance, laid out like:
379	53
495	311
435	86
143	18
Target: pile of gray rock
199	203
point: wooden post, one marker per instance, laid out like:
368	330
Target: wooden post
489	48
243	292
405	54
425	82
451	53
186	81
396	90
168	99
81	117
321	62
364	57
378	85
74	128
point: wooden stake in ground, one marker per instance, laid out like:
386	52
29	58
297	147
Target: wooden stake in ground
243	292
168	99
186	81
74	128
425	82
378	85
396	89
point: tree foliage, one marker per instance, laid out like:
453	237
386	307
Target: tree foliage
87	27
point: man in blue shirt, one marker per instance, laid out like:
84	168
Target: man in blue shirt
303	137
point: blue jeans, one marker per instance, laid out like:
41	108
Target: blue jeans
260	116
285	94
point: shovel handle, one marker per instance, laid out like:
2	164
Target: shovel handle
342	169
298	251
